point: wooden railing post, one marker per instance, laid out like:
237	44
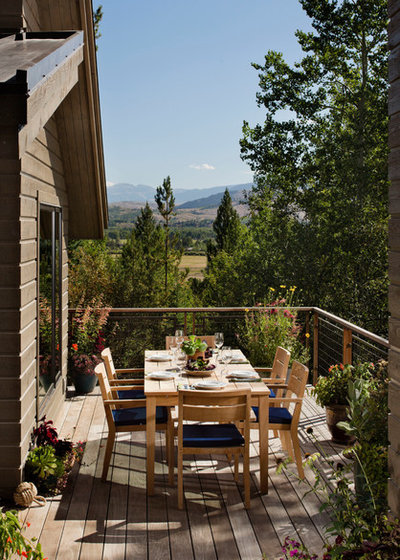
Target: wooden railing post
347	346
315	348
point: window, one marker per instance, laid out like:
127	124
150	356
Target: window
50	277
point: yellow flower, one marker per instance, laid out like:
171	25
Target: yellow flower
246	310
282	286
272	289
307	335
292	289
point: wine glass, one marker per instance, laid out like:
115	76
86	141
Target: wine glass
219	341
179	338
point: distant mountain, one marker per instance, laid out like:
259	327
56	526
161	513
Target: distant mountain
124	192
214	200
121	192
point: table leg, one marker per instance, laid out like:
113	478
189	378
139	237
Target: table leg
263	420
150	442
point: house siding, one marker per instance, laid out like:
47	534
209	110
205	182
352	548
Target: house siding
40	180
394	255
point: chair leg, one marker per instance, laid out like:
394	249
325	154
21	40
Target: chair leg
180	479
246	479
170	453
236	471
297	453
288	444
107	454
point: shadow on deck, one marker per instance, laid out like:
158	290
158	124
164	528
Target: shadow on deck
116	520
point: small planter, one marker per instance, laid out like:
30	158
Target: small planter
196	355
337	413
84	383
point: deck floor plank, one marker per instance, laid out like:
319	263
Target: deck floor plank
117	521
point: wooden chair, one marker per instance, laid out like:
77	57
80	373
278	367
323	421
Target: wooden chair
209	339
278	371
129	415
136	386
286	421
221	438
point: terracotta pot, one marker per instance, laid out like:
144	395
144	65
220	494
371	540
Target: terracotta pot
196	355
337	413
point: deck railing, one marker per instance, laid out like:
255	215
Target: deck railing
332	339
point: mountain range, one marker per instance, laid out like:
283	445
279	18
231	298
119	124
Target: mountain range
184	198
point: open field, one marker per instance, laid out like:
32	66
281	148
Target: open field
195	263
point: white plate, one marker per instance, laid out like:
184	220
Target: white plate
159	358
161	375
210	385
241	374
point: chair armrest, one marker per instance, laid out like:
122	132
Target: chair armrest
130	370
285	400
279	385
262	369
126	381
272	380
125	388
125	403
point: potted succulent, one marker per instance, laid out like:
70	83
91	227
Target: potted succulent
332	392
85	343
194	348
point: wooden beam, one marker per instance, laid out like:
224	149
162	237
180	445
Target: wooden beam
47	96
347	346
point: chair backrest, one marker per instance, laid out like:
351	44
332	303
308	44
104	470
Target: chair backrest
297	380
109	364
281	363
100	371
209	339
206	406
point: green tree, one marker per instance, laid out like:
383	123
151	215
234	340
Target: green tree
97	17
165	201
226	226
91	273
320	160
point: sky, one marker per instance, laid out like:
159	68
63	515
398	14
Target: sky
176	84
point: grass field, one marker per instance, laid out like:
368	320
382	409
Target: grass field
195	263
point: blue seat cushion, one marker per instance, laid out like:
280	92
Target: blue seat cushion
131	394
211	435
277	415
137	416
272	394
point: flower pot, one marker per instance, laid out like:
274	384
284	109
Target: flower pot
84	383
196	355
337	413
46	382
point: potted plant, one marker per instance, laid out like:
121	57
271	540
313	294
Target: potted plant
194	348
332	392
85	344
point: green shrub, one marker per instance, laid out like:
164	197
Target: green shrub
13	542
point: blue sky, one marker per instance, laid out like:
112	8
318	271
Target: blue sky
176	83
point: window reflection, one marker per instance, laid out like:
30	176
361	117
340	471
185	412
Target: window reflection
49	298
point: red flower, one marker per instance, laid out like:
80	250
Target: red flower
9	540
75	347
341	367
24	554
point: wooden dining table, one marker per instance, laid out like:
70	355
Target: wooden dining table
165	393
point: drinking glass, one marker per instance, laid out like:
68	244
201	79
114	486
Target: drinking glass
226	354
219	341
179	338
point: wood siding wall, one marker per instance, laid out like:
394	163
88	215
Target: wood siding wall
39	179
394	256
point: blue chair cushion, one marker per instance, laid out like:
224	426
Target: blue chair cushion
211	435
272	394
137	416
131	394
277	415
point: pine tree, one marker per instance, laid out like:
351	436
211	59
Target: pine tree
227	227
165	201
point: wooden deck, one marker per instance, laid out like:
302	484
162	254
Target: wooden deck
116	520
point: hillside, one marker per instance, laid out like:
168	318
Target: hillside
125	192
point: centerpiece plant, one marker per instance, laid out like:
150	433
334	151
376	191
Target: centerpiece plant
273	324
85	343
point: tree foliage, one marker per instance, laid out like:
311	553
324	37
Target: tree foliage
165	201
320	160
